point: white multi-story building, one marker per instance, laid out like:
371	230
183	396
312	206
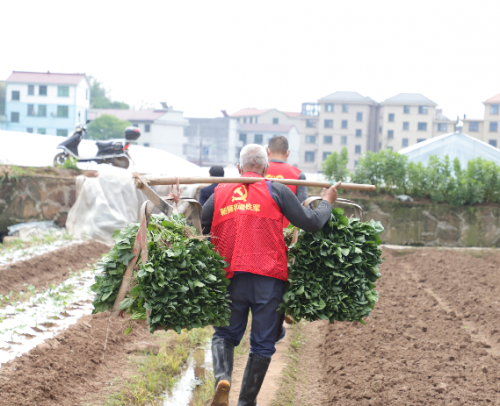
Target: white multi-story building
46	103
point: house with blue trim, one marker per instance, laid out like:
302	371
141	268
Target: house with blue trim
46	103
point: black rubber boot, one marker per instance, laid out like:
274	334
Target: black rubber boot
254	375
222	359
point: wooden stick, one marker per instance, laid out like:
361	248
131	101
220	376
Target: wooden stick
155	180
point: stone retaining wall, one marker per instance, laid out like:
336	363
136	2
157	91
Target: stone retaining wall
35	198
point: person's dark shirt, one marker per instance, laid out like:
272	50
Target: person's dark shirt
206	192
307	219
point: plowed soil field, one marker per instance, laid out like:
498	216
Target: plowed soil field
433	338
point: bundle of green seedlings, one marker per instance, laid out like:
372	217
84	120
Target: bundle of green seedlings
182	285
332	272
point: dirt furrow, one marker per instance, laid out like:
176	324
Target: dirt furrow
412	351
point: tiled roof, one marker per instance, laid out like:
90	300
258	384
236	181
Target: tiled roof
46	78
249	112
494	99
352	97
276	128
292	113
409	98
129	115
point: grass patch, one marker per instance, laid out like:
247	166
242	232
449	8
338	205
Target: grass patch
157	373
205	391
285	394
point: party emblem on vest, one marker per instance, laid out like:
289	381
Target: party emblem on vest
275	177
241	193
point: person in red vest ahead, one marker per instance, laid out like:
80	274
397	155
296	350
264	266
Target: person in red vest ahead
245	222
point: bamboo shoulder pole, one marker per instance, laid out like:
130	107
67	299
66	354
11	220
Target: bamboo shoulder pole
158	180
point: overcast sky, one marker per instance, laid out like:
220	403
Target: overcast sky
204	56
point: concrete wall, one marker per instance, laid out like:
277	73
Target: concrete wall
434	224
35	197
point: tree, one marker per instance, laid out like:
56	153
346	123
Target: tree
99	98
106	127
335	166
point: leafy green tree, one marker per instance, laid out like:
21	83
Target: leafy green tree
99	98
335	166
106	127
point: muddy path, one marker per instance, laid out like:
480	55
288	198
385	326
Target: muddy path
50	268
420	346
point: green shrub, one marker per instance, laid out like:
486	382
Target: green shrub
335	166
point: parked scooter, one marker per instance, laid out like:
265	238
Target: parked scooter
109	152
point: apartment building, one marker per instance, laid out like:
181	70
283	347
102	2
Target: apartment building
406	119
491	131
341	119
161	128
266	116
46	103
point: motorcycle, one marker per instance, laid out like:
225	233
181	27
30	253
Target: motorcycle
109	152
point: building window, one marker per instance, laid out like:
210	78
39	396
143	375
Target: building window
406	125
63	91
423	109
31	92
29	130
420	140
256	120
42	90
309	156
405	142
380	130
389	148
391	117
325	155
275	120
343	140
16	95
14	117
243	137
493	143
31	109
406	109
327	139
328	123
244	120
390	134
310	139
146	144
493	127
345	108
494	108
422	127
147	128
310	123
251	120
135	125
355	163
358	133
41	131
62	133
258	138
442	127
359	116
42	110
329	107
86	94
357	149
62	111
474	126
344	123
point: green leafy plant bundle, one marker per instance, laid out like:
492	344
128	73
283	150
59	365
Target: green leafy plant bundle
182	285
333	272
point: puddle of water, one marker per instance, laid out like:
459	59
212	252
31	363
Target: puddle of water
199	363
32	322
13	255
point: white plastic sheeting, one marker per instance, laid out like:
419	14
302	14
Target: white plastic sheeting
455	145
27	149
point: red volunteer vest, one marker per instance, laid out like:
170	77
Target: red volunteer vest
281	170
247	229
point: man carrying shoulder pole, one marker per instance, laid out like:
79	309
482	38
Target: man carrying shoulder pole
245	222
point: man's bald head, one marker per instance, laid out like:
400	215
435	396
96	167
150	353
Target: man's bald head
278	148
